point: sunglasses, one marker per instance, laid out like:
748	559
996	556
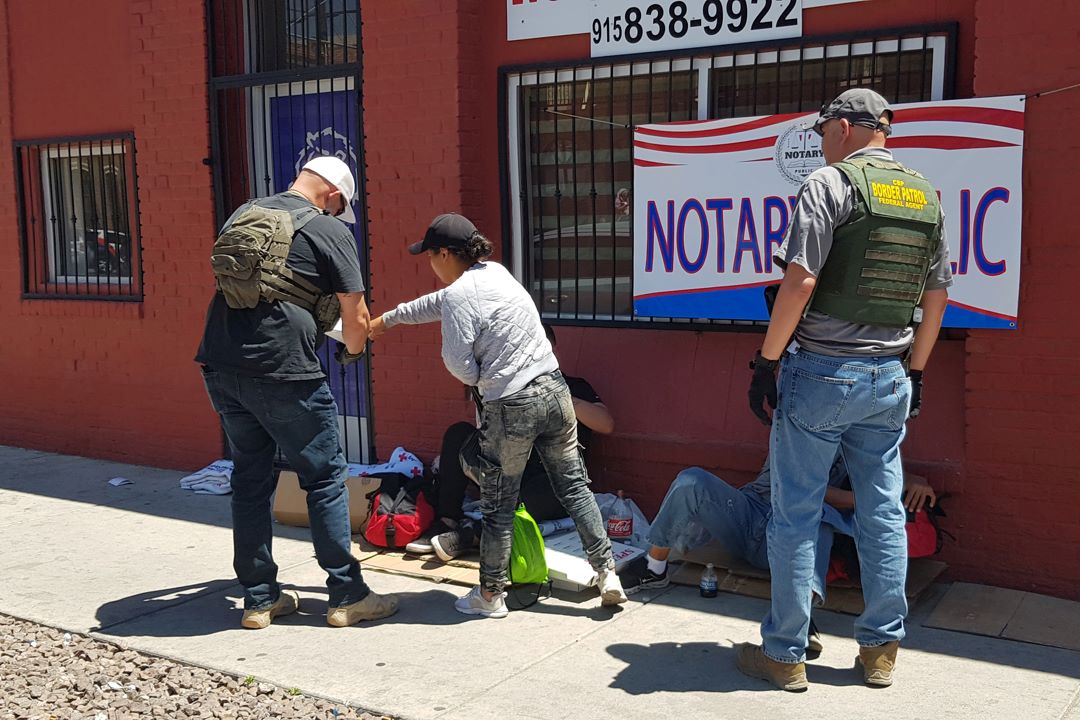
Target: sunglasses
819	126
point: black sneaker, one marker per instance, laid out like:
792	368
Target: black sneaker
449	545
637	576
422	545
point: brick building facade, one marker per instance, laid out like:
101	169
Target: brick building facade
115	379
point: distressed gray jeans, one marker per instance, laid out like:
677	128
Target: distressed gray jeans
541	415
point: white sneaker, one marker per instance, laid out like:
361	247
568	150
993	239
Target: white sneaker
420	546
611	590
474	604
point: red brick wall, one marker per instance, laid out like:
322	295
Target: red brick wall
997	423
678	397
116	380
421	107
1019	520
113	380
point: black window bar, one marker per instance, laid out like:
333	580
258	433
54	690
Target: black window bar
568	159
79	218
286	85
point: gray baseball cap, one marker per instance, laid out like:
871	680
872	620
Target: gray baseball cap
859	106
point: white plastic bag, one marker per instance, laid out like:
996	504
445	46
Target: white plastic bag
639	538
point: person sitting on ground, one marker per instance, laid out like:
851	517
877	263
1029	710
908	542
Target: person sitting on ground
492	339
453	533
700	507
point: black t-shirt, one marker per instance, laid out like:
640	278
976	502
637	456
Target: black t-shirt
582	390
278	339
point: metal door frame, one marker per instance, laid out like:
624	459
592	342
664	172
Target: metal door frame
250	83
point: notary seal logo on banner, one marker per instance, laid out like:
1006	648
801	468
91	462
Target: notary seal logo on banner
798	153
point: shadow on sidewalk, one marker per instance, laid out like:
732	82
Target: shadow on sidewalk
156	613
687	667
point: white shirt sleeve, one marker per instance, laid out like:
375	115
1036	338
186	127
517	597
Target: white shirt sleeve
424	309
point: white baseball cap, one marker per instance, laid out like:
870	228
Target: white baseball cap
337	173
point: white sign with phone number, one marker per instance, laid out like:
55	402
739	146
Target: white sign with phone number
623	27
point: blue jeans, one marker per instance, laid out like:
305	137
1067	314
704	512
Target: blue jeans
700	507
541	415
859	405
259	416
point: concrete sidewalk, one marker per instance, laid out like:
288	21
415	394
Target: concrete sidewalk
148	566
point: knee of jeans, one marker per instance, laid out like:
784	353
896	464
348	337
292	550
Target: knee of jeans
887	516
689	480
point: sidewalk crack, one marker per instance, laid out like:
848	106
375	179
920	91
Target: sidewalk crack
1074	704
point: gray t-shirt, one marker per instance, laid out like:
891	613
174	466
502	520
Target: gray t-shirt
825	201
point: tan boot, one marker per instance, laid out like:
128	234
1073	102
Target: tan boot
373	607
752	661
878	663
286	604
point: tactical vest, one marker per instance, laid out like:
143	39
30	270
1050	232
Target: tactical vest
248	260
880	257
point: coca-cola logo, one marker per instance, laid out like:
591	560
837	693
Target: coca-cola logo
620	527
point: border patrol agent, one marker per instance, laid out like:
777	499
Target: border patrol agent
866	272
285	270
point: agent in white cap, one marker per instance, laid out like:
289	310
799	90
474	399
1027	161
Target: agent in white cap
336	191
866	272
283	265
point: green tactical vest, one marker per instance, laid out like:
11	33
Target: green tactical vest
880	257
248	260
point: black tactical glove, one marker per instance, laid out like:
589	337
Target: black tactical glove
916	393
344	357
763	386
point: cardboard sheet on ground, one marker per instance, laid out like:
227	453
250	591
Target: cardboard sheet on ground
741	578
1012	614
290	501
567	565
462	571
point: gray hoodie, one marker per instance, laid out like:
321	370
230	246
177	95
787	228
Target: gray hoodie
491	331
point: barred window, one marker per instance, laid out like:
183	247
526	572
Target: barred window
279	35
78	218
570	151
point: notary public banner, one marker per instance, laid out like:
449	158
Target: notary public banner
712	201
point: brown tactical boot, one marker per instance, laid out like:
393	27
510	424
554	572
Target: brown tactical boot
752	661
372	607
878	663
286	604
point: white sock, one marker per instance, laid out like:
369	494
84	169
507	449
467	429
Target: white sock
657	567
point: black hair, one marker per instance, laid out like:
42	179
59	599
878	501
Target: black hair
477	248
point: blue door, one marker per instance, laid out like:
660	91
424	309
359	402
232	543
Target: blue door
303	126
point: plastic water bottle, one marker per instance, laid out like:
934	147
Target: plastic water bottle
620	523
707	586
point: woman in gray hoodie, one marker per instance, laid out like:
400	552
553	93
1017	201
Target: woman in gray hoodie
493	340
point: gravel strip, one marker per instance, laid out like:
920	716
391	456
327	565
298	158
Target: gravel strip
48	674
